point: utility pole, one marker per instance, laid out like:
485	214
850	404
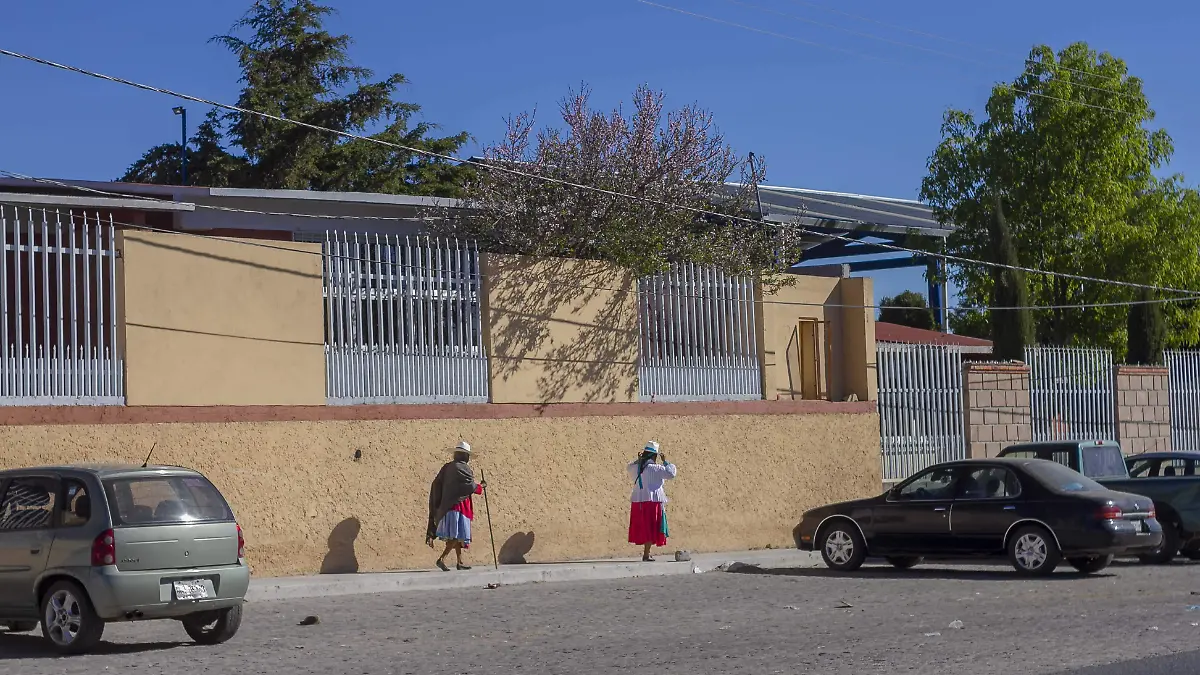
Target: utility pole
183	141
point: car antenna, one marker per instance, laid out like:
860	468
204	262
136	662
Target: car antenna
148	454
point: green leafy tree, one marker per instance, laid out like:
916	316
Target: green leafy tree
907	309
1067	146
292	67
1012	324
666	158
1147	331
970	323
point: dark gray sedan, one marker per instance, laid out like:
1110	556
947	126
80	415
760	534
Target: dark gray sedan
1036	512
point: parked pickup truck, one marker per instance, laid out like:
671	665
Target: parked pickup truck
1176	493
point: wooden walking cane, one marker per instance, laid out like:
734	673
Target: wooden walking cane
491	533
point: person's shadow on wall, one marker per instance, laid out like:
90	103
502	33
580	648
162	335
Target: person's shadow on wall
341	558
514	550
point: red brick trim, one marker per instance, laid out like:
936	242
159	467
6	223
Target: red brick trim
1141	370
63	415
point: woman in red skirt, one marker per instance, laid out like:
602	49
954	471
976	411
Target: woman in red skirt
647	514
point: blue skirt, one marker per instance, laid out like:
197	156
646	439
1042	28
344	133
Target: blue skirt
454	526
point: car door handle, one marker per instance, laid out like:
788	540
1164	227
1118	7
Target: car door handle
1010	508
939	508
34	551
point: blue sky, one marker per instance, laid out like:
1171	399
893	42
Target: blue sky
855	114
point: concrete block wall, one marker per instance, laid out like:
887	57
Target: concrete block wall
996	407
1143	409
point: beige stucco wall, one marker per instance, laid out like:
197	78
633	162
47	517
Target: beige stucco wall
859	368
781	310
560	331
846	331
743	479
215	322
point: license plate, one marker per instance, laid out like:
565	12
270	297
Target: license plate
191	590
1141	527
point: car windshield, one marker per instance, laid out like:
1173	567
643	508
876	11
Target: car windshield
165	500
1103	461
1061	478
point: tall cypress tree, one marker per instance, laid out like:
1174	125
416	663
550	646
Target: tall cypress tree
1147	331
1012	329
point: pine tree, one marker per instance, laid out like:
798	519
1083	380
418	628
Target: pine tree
1012	329
1147	331
292	67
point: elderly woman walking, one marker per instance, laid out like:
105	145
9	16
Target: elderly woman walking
450	507
647	509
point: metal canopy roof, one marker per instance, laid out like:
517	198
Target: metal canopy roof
817	209
840	210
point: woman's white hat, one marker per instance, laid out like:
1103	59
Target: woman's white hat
463	446
651	447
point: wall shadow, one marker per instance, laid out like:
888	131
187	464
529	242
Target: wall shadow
341	558
514	550
570	325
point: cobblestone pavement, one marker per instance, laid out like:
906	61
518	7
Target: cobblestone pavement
774	621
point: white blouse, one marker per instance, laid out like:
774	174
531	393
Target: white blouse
653	477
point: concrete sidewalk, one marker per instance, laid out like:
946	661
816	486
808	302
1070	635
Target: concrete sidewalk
290	588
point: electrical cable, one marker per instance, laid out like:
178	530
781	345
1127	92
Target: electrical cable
370	261
505	169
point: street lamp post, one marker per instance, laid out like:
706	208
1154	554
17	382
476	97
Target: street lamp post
182	112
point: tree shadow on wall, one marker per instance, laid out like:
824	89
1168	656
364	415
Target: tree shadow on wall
514	550
573	322
341	558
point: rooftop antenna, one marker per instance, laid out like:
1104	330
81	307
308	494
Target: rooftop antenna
148	454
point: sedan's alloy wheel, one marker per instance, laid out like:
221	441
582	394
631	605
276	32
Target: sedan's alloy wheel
839	546
1032	551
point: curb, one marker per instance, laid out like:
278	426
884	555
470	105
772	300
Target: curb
333	585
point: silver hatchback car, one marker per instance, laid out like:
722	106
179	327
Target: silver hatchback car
82	546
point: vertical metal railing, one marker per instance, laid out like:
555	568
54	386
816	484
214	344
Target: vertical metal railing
402	320
920	407
1071	393
58	296
1183	368
698	337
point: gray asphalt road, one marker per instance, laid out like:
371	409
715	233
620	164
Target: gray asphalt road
787	621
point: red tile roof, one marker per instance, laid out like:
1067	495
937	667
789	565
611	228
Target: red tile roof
890	332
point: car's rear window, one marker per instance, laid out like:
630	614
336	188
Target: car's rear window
1062	478
1103	461
165	500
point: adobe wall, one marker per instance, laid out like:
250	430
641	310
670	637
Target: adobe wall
747	471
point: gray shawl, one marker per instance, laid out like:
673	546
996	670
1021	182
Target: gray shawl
454	484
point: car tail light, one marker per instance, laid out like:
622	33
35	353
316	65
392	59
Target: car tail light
1110	513
1153	513
104	549
241	543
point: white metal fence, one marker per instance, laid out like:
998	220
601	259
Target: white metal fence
920	407
402	320
697	337
1184	370
58	297
1071	392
